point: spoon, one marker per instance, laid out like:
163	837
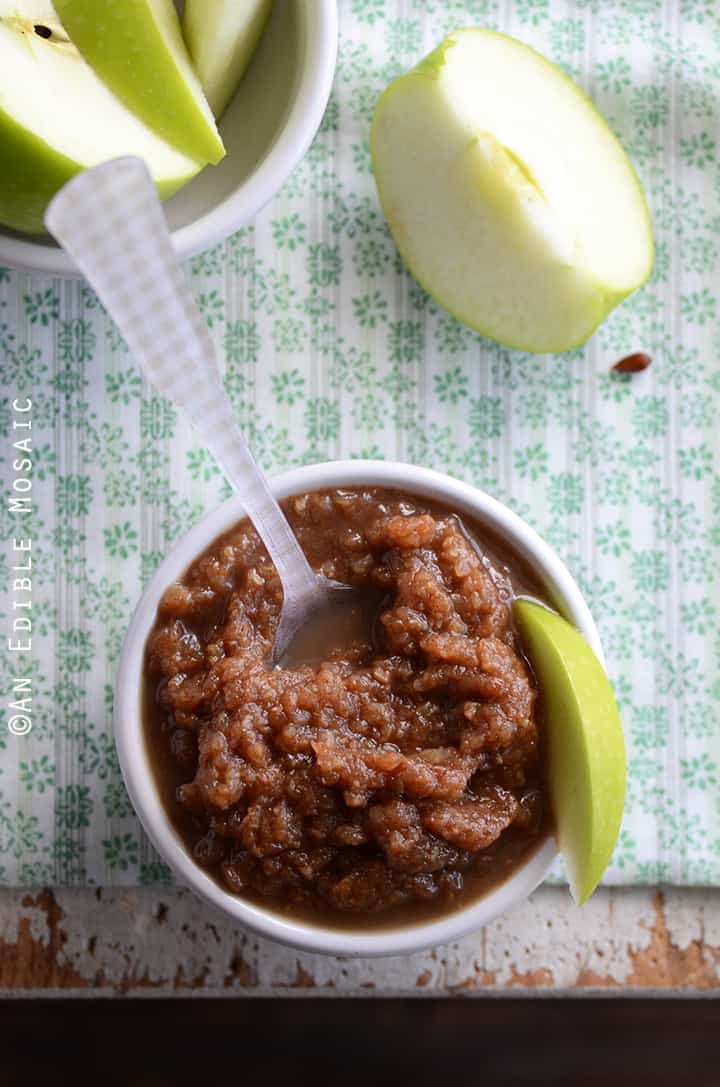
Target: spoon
111	222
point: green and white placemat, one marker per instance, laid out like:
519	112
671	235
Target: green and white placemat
330	349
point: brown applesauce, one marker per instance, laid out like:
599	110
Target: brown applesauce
398	778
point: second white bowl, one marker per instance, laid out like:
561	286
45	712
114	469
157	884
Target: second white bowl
267	129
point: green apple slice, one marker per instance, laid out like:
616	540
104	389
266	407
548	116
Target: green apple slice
136	47
507	194
221	36
585	747
56	118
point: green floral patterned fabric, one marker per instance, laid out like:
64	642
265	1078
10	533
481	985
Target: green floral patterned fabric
330	349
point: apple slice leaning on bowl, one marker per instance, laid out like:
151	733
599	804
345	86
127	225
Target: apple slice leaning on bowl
507	194
57	117
585	746
137	49
222	36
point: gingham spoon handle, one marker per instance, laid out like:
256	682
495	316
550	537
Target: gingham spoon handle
110	221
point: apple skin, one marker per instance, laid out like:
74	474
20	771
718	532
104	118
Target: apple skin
31	172
481	235
221	36
136	48
585	745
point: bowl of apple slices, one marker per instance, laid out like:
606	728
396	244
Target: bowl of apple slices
221	98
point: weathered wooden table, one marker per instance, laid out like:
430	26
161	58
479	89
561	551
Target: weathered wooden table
161	942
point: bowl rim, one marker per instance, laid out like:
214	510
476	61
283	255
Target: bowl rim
298	131
134	759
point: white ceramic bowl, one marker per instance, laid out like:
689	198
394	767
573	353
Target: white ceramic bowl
561	590
267	129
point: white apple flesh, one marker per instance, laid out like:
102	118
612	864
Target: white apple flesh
507	194
222	36
57	117
137	49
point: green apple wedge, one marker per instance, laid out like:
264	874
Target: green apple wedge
507	194
57	118
222	36
136	47
585	747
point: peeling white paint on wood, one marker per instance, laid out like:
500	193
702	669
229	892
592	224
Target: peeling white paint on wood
142	941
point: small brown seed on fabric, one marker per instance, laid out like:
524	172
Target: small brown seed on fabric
633	364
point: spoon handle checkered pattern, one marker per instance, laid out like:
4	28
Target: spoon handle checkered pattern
111	222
